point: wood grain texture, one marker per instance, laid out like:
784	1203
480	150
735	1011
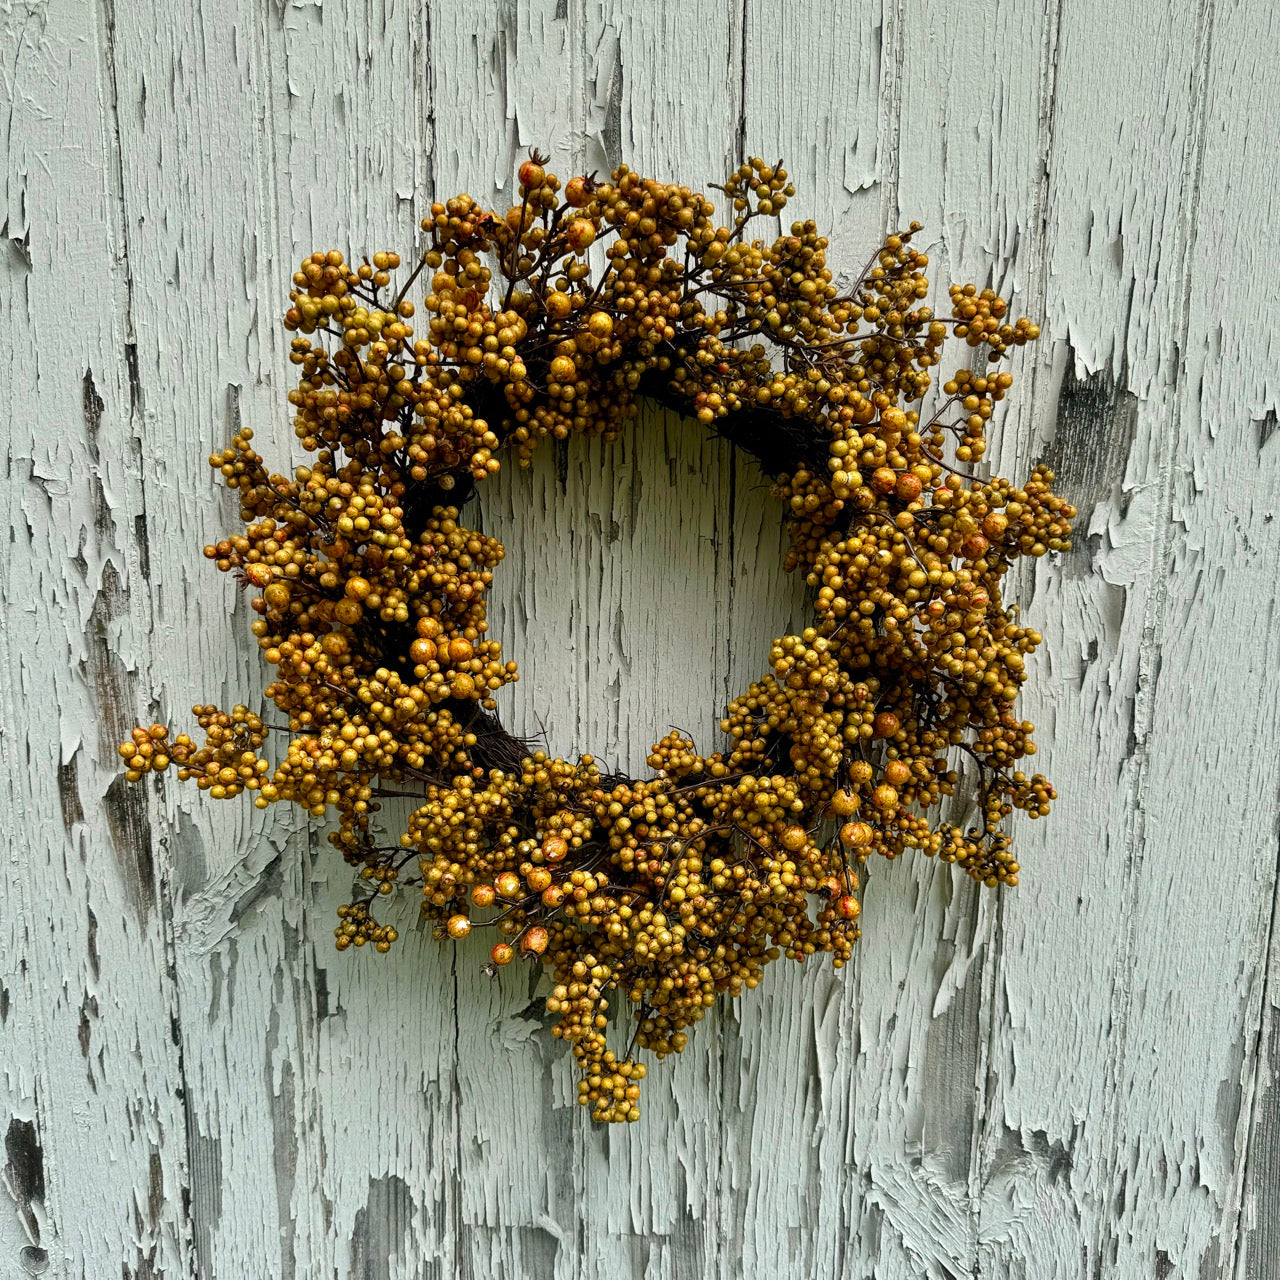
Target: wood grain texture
1077	1079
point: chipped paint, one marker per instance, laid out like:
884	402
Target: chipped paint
1076	1079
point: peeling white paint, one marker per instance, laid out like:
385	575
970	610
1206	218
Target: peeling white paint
1075	1079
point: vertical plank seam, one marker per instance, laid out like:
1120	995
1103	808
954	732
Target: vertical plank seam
894	51
740	141
460	1255
1249	1101
310	1154
993	1004
1153	629
1256	1008
170	992
888	134
727	1018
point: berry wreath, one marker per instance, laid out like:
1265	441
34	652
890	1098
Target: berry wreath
370	604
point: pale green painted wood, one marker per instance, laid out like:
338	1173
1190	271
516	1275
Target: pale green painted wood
1075	1079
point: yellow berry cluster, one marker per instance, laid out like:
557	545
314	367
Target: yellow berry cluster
557	317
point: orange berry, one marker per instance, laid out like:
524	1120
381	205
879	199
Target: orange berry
579	235
885	725
860	773
856	835
884	797
844	804
897	773
908	487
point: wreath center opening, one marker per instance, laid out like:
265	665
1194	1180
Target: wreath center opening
642	577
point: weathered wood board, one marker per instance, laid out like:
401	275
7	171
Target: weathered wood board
1078	1078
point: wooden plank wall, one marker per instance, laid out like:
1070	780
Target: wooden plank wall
1078	1078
